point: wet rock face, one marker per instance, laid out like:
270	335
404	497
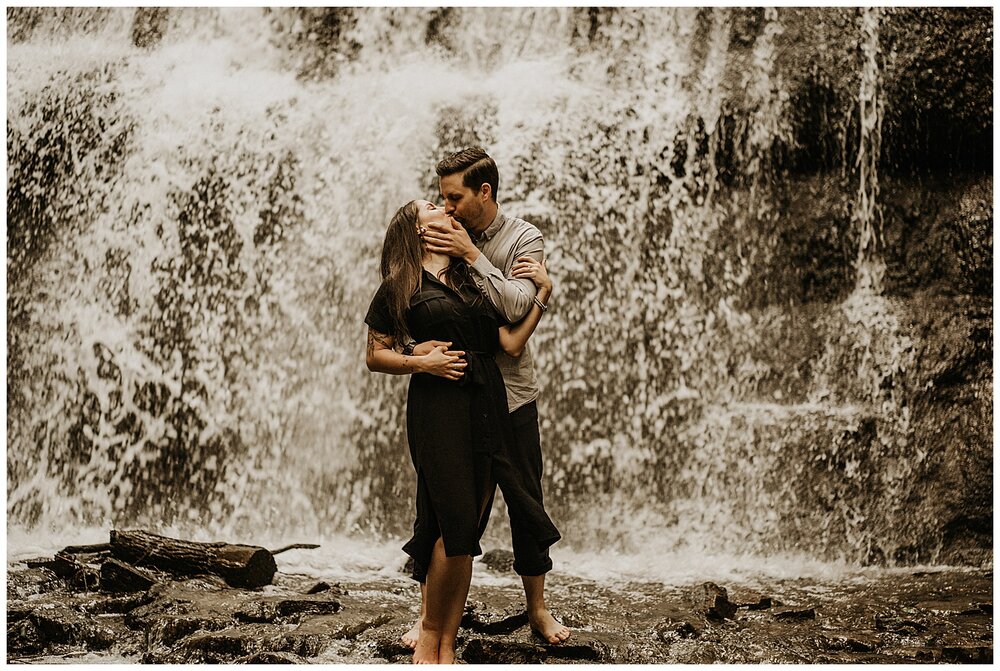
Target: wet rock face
202	620
711	601
499	560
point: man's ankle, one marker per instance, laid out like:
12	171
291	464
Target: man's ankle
538	612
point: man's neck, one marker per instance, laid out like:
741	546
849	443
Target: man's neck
489	215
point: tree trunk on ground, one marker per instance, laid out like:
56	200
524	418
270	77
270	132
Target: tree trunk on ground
238	565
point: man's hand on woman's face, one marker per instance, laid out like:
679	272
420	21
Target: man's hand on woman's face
451	239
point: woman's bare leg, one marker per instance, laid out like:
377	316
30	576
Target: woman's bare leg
447	589
410	638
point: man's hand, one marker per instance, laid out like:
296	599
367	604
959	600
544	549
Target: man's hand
452	240
425	347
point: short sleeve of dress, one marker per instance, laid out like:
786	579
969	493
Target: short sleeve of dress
378	317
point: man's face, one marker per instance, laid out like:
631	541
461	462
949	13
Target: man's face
462	203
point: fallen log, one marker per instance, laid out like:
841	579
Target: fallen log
86	549
238	565
66	566
117	576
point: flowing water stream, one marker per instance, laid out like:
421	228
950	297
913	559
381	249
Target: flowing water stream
197	200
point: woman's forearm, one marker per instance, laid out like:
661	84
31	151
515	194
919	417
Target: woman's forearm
392	362
382	357
514	338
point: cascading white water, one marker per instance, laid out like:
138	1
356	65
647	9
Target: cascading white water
186	337
868	214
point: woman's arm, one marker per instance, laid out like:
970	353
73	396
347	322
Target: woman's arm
380	357
513	338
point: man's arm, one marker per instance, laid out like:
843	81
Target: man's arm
512	297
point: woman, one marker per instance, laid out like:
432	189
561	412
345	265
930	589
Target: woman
457	423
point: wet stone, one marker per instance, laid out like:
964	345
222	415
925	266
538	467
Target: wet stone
63	625
848	643
23	637
967	654
481	620
98	604
670	630
19	612
229	643
581	647
916	653
711	601
271	657
760	603
29	582
385	644
794	614
321	586
168	629
574	620
313	636
499	560
283	609
899	625
489	651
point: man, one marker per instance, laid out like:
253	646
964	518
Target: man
491	242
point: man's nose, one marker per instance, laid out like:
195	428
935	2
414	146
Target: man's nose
448	209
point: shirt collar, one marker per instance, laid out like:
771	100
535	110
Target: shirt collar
492	229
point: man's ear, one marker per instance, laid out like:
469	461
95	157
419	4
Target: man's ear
486	191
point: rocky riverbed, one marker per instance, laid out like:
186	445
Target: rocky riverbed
867	616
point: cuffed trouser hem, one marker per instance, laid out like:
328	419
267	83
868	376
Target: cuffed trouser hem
531	570
419	572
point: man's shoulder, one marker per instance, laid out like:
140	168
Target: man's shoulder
519	228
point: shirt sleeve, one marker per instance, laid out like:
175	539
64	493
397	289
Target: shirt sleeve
378	317
511	297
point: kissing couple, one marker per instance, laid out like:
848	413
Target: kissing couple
463	288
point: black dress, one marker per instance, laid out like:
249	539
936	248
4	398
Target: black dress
459	432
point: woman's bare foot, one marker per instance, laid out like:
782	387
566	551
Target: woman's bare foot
410	638
548	627
446	653
428	647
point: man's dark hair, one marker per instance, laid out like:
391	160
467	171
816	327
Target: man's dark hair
476	166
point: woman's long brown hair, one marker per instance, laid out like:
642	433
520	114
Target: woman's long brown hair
402	268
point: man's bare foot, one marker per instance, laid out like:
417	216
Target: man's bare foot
410	638
546	626
428	647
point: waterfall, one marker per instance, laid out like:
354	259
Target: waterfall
197	199
867	214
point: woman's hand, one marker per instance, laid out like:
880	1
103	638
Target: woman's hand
444	363
529	269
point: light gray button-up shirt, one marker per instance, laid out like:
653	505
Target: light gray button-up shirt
506	239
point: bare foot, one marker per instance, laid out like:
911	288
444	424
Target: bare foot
446	653
410	638
548	627
428	647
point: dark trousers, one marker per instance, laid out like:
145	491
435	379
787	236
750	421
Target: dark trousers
526	455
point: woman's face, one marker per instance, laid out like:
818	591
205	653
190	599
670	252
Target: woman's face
428	213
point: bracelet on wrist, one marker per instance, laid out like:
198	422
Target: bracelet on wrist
540	304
